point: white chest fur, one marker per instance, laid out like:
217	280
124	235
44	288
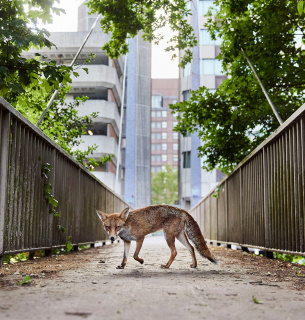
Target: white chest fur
125	235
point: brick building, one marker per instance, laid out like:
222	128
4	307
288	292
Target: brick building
164	141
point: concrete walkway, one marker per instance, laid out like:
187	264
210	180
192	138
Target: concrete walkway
100	291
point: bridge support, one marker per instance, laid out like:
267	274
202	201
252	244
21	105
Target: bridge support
268	254
245	249
48	253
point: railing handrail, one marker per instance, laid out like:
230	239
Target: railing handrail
6	105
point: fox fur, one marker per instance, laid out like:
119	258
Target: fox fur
175	222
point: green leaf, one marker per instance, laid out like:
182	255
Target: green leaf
25	280
256	301
61	228
301	7
69	245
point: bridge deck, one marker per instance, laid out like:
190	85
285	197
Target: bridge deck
78	286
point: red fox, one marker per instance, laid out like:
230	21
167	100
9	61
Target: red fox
175	222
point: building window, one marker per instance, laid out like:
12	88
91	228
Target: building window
155	158
153	114
156	125
164	124
99	129
175	146
175	158
158	114
164	146
186	95
175	135
156	101
164	157
174	101
175	123
156	146
205	38
186	159
164	114
187	134
187	70
164	135
156	136
210	67
206	7
155	169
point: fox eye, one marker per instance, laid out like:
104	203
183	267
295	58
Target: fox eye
107	227
117	228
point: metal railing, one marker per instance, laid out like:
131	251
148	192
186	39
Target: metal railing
26	223
261	203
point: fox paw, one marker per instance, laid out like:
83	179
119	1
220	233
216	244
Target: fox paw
193	265
120	267
164	266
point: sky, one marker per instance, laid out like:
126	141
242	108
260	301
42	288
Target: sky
162	65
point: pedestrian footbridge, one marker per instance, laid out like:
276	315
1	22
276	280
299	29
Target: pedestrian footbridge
46	196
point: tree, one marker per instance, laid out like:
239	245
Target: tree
19	32
126	18
237	117
27	83
164	186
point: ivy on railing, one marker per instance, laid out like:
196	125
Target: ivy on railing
47	192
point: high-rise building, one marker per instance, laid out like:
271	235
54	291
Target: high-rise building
103	85
164	141
204	70
138	104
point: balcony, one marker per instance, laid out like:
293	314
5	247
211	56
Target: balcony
107	112
105	145
98	76
70	42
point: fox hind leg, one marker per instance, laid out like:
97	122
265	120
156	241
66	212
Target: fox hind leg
138	248
170	239
125	256
184	240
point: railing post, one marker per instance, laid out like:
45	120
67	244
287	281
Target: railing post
266	209
226	210
5	123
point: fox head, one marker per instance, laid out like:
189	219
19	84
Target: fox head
113	222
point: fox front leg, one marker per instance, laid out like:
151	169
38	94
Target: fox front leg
126	251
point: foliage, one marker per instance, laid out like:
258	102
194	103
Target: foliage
164	186
28	83
126	18
25	280
19	32
237	117
62	123
13	258
47	188
289	258
69	245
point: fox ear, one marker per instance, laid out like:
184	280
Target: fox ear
103	216
124	214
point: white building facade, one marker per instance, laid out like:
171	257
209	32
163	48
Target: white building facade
103	85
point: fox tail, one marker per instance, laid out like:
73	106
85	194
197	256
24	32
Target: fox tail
194	234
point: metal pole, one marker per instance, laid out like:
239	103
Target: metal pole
71	65
121	125
264	90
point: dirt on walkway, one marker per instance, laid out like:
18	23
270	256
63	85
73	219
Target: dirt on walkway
87	284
